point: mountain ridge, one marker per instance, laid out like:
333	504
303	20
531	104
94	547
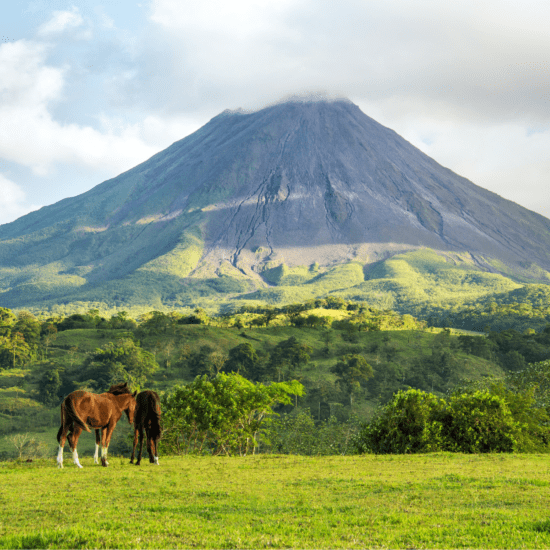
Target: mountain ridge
295	183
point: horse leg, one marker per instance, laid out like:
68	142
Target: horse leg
134	445
97	442
153	456
140	445
150	450
73	441
106	434
156	448
61	437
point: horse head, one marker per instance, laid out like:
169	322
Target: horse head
129	398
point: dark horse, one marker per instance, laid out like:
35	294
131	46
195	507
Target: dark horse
147	418
82	410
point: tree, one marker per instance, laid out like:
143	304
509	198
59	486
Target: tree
198	362
155	323
513	361
222	415
478	422
49	386
244	360
270	314
49	334
288	357
122	320
123	362
28	325
417	422
7	320
403	425
350	371
13	351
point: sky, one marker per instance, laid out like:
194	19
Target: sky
89	89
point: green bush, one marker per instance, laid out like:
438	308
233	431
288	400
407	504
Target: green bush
478	422
417	422
220	415
404	425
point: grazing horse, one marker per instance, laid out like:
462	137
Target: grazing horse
147	418
82	410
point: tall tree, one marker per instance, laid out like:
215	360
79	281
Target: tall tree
244	360
288	357
350	371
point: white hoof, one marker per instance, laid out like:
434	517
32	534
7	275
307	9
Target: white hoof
60	458
75	459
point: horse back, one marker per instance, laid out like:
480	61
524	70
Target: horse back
92	409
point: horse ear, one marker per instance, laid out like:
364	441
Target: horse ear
134	394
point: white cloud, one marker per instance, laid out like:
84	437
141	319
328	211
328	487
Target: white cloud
12	201
61	21
29	134
489	58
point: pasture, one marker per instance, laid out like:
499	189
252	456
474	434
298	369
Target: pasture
268	501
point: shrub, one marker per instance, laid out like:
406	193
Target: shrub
297	433
417	422
404	425
479	422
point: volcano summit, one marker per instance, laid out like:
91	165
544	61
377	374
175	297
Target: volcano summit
303	185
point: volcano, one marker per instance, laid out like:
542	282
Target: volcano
299	184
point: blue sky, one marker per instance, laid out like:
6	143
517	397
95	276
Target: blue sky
90	89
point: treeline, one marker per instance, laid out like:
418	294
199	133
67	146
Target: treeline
521	309
510	348
27	341
347	356
228	415
496	415
156	341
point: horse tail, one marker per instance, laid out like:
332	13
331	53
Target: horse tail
155	423
62	422
155	414
148	412
71	413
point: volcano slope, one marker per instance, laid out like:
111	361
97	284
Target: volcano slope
255	201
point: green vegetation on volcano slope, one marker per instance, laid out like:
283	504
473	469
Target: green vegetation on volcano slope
416	501
525	308
446	287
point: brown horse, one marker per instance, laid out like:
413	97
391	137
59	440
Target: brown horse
147	418
82	410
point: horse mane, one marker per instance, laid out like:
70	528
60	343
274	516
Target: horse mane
119	389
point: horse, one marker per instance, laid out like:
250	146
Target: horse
82	410
147	417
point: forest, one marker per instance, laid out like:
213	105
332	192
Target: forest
344	360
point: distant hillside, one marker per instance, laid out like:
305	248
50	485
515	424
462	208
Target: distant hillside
294	201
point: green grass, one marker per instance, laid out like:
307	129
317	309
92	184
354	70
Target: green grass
422	501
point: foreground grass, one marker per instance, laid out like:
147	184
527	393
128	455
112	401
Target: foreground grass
422	501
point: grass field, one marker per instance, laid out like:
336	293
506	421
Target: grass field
421	501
